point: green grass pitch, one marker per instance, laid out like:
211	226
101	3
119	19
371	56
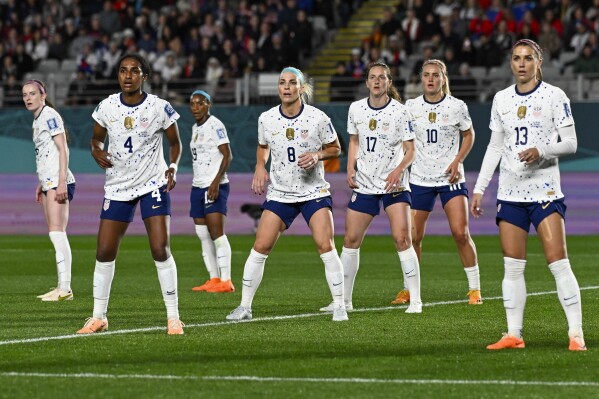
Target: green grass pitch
381	352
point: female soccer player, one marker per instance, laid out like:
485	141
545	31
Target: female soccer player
134	122
56	182
526	121
211	155
439	121
299	137
381	148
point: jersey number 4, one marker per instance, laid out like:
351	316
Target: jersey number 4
129	144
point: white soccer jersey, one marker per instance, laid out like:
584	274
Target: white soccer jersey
529	120
438	128
381	133
135	143
205	154
288	138
47	158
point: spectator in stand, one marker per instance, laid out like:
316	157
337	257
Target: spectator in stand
526	33
109	19
214	72
22	61
495	12
79	87
529	19
411	25
504	40
37	47
171	69
555	23
87	60
480	26
574	26
264	41
449	39
580	38
57	49
550	41
429	27
355	66
342	84
488	54
13	94
396	50
388	22
464	86
452	65
207	28
413	87
586	62
445	8
302	30
277	58
191	68
8	67
110	60
469	11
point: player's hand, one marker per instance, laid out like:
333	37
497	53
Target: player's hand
38	194
61	193
393	181
171	175
529	156
476	205
102	158
351	179
212	192
260	181
308	160
453	172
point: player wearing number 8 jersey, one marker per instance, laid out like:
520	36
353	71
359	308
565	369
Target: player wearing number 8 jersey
439	121
134	123
297	137
531	127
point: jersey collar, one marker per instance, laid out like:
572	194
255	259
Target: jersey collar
433	102
528	92
376	109
291	117
144	95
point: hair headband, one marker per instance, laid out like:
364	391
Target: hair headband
38	84
530	43
202	93
296	72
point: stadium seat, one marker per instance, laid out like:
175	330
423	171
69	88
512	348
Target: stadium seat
68	65
268	84
50	65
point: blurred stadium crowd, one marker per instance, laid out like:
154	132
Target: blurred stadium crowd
216	43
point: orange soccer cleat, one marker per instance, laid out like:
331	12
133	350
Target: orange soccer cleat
175	327
577	344
474	297
93	326
402	297
507	342
208	284
222	286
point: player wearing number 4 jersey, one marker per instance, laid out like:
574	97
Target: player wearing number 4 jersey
136	172
381	148
439	122
298	137
531	127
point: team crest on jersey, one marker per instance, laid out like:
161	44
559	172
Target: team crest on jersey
444	118
432	117
106	204
290	133
304	134
567	110
52	124
537	111
144	121
522	111
354	196
372	124
386	126
221	133
128	123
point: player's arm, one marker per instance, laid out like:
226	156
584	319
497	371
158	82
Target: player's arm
352	153
174	141
96	145
394	179
490	162
261	175
60	141
330	150
224	149
467	143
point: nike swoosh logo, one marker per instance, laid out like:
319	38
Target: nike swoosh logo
318	200
220	257
171	292
156	207
546	205
113	120
416	117
567	299
208	205
410	272
506	112
335	285
275	133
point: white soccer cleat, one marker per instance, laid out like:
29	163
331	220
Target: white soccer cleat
58	295
339	313
240	313
415	307
330	307
52	290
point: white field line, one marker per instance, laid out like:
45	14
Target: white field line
254	320
304	379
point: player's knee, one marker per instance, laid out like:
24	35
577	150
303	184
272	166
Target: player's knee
461	237
402	241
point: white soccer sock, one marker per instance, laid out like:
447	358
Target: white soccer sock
63	258
333	270
167	276
411	271
223	257
350	259
252	277
103	275
514	294
208	250
473	275
569	295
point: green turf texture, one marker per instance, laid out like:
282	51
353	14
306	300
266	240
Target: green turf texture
382	348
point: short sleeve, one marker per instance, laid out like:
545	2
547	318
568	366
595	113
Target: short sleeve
351	125
495	122
98	114
170	115
562	113
326	129
221	133
465	121
408	125
261	133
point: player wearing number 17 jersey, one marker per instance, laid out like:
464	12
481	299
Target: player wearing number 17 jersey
297	137
136	172
381	148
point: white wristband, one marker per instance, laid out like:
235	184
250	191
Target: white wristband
174	166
